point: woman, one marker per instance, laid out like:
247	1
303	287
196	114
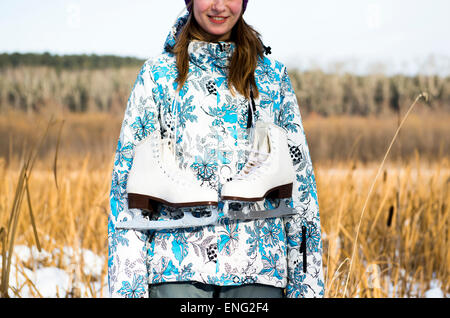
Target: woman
213	71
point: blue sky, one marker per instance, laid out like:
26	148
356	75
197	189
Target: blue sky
403	35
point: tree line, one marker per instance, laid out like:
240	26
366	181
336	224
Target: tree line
82	83
69	62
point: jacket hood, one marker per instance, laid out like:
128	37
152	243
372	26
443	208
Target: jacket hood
171	39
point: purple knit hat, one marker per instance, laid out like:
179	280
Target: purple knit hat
245	4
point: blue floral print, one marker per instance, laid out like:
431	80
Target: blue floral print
135	289
209	125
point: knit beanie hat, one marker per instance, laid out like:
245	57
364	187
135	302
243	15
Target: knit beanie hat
245	4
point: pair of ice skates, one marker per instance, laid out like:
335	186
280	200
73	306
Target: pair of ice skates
155	178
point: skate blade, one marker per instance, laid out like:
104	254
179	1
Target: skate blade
138	222
282	211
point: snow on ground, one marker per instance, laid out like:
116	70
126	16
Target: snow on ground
52	281
434	293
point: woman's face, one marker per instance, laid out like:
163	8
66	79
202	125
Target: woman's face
217	17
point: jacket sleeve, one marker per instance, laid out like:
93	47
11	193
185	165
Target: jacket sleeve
305	273
127	254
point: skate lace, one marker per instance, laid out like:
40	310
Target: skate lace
172	170
256	160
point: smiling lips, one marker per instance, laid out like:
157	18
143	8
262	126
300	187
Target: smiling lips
217	19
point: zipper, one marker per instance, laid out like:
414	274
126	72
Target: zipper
251	109
303	247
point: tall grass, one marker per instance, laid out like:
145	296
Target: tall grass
385	225
8	234
403	238
334	139
69	219
402	247
355	244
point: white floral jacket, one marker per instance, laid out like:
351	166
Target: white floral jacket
211	135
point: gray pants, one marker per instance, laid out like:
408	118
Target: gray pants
199	290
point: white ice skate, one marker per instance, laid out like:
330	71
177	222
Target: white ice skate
268	173
155	178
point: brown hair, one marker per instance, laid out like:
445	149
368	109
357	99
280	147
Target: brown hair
249	47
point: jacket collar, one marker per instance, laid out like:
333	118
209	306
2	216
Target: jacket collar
211	54
203	54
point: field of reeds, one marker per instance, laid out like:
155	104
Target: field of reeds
401	250
331	139
385	219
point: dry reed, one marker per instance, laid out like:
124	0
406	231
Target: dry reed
355	244
385	227
403	260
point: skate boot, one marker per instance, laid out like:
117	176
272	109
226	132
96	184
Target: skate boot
155	178
268	174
